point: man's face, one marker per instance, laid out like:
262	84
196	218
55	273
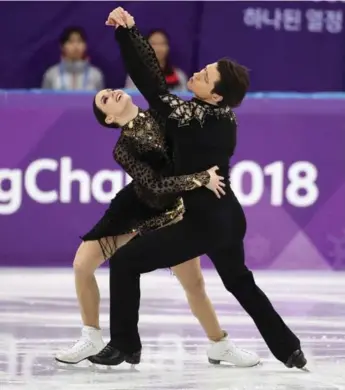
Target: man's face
202	83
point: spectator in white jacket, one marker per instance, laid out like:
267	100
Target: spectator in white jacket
74	71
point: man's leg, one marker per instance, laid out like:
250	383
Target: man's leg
162	248
125	344
124	333
230	264
166	247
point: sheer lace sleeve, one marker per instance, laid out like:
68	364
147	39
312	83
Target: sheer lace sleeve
143	67
145	175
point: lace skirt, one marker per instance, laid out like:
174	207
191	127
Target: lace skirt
128	214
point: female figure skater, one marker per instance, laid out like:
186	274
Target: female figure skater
149	202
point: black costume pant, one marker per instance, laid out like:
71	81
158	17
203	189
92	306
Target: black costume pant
175	244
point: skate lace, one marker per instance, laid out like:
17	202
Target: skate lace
106	351
80	345
228	351
235	351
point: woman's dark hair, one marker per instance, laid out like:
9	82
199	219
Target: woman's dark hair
171	77
158	31
100	117
68	31
233	83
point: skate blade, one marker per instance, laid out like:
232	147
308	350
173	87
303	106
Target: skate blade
69	363
305	369
225	363
80	366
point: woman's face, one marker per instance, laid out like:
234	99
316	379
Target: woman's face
160	45
114	103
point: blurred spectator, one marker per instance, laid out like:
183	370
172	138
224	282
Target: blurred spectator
175	78
74	71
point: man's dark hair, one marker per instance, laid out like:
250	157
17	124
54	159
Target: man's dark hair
68	31
100	116
233	83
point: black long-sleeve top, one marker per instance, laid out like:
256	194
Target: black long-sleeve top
202	135
143	153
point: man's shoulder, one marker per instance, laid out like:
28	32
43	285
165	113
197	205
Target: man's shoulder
173	100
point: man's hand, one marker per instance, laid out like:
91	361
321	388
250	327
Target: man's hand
120	17
216	182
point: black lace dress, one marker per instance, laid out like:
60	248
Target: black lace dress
152	199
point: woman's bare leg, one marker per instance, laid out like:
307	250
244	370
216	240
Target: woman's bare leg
88	258
90	255
221	349
190	276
